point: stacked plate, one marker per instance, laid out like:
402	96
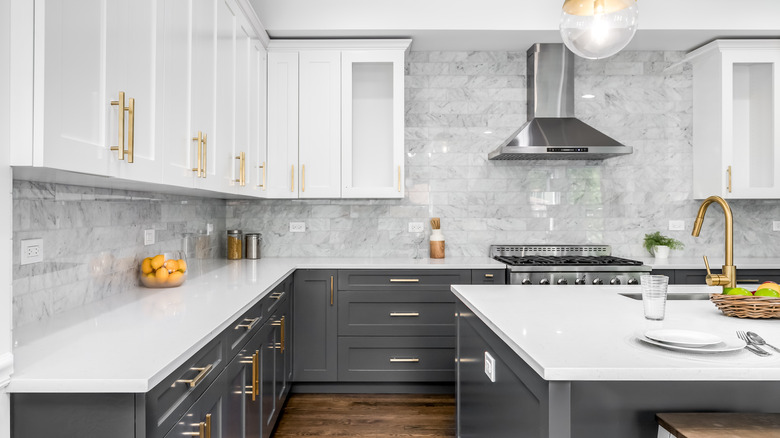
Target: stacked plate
690	341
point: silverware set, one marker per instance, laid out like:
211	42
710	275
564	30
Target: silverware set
755	343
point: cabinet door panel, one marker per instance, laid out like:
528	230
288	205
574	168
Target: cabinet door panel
208	408
222	167
282	124
319	150
314	326
71	105
244	36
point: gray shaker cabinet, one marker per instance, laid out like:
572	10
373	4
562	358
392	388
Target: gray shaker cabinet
314	324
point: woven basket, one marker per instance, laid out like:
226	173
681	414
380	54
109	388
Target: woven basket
743	306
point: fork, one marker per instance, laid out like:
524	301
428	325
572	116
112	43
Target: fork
749	345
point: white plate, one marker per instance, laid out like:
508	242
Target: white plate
683	338
722	347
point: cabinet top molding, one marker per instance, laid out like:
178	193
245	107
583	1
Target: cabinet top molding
327	44
722	45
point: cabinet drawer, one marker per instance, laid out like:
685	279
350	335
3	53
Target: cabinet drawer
271	301
400	279
241	330
171	398
416	359
396	313
488	276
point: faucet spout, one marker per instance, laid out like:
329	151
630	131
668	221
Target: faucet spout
728	277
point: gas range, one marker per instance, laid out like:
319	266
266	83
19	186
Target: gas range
566	264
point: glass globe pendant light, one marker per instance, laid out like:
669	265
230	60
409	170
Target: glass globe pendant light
596	29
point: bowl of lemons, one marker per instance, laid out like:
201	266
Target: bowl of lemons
164	270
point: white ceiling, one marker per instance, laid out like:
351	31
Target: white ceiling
511	24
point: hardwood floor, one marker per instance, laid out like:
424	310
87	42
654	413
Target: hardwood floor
368	415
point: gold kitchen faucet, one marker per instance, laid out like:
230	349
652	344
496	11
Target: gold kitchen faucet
728	277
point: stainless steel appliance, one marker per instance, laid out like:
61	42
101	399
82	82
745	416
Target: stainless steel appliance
552	132
566	264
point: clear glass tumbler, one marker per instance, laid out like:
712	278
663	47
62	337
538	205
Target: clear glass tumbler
654	288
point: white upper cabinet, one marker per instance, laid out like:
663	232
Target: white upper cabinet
319	124
223	166
256	161
335	119
736	115
372	111
282	124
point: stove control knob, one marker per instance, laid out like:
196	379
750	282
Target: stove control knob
614	281
580	281
526	281
633	281
563	281
597	281
544	281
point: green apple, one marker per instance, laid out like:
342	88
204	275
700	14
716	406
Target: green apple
770	285
736	291
767	293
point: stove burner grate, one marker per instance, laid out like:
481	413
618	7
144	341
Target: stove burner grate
566	261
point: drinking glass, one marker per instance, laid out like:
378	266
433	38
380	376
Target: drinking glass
654	288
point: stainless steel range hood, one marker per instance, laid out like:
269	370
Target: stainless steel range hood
552	132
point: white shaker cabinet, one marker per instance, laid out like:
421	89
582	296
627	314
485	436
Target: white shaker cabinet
335	118
256	167
736	115
89	54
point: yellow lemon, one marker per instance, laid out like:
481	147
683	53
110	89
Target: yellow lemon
146	265
182	265
161	274
172	265
175	277
157	261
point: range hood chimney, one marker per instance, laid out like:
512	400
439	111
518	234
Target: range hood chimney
552	132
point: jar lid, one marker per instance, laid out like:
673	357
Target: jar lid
259	235
234	231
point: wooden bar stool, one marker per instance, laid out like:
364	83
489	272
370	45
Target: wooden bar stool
718	425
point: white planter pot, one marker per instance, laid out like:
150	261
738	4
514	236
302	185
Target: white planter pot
661	252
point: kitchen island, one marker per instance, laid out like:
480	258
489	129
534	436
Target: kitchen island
569	364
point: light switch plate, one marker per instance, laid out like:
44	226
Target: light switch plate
297	227
209	229
416	227
490	367
775	225
676	225
148	237
32	251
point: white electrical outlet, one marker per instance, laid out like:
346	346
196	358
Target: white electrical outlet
209	229
775	225
676	225
416	227
148	237
297	227
490	367
32	251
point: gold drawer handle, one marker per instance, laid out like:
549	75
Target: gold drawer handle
747	280
404	313
248	327
277	295
120	148
241	169
488	275
203	372
404	360
404	280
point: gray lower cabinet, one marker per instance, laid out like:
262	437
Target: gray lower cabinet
233	387
396	359
314	326
697	276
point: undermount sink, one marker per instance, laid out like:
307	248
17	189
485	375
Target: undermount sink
673	296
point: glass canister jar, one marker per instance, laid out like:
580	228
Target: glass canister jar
235	244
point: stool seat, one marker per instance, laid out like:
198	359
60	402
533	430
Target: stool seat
720	425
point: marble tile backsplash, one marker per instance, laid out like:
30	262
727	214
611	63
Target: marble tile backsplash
93	241
462	105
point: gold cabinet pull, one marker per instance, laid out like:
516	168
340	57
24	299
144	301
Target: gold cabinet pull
204	427
120	103
292	178
247	323
404	313
488	275
331	290
747	280
277	295
404	359
263	184
203	372
255	374
131	132
404	280
303	177
282	334
199	139
205	155
241	160
729	171
399	179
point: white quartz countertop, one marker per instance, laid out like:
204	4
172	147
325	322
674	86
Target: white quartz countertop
715	263
589	333
130	342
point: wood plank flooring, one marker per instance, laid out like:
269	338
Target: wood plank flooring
368	415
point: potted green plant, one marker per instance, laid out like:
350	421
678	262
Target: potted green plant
659	245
